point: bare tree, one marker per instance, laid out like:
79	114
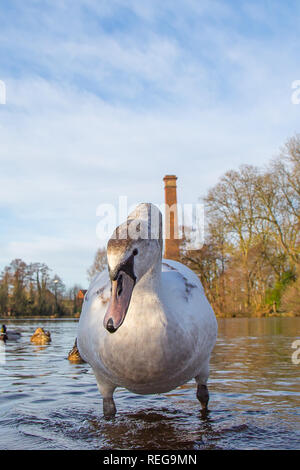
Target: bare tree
251	250
99	264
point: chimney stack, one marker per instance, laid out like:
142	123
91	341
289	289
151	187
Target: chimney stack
171	219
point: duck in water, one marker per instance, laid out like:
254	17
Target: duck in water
9	335
40	336
74	355
3	335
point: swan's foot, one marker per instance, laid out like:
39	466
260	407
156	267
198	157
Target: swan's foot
109	407
203	396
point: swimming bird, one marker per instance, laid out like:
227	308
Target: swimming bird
3	335
9	335
146	324
40	336
74	355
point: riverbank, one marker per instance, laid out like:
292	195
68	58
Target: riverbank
2	319
261	315
76	317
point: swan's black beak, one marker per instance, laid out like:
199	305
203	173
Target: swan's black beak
121	293
110	326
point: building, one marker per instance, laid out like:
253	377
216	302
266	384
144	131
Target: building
81	294
171	250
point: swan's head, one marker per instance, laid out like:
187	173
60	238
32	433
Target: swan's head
133	249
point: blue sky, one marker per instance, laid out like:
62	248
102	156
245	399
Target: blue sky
106	97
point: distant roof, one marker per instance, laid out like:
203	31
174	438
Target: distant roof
81	293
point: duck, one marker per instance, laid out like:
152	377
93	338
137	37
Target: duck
40	336
146	324
3	335
9	335
74	355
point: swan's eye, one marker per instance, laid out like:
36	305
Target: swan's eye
135	252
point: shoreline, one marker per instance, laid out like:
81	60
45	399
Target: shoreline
38	318
272	315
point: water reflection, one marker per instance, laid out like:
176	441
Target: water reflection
46	402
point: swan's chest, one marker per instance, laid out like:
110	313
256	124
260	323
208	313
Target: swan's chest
147	351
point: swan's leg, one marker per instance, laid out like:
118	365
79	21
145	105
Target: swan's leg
107	390
203	395
109	407
202	390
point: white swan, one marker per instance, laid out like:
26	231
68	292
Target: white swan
146	324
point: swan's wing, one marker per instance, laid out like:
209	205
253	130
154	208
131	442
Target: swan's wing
100	287
181	279
187	300
93	310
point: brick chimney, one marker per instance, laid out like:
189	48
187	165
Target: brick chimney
171	219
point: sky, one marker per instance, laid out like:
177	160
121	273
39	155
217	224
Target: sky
105	97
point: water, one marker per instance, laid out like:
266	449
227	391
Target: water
48	403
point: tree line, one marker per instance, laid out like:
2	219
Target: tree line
30	290
249	264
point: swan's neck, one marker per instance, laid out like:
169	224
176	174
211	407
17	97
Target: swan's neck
146	297
151	280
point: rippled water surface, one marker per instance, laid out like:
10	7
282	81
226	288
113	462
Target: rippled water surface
48	403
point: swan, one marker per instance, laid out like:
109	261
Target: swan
145	324
9	335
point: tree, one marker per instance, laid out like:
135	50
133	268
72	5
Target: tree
99	264
4	292
278	192
58	288
19	274
40	276
28	290
251	251
291	296
75	303
233	201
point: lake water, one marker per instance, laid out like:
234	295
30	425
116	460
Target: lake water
48	403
